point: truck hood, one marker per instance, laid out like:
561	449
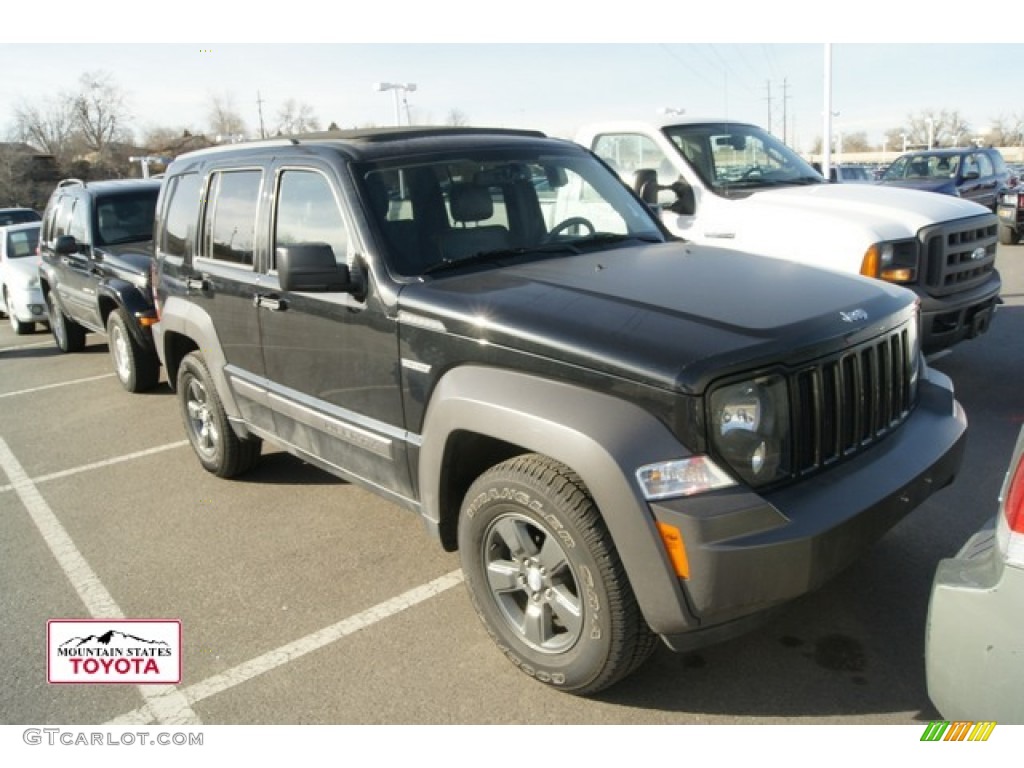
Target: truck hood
889	211
131	258
672	315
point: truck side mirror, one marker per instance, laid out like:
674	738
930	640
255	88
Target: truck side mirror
686	203
311	267
66	245
645	184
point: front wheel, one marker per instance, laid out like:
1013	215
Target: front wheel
218	448
545	578
1008	235
137	367
17	326
68	335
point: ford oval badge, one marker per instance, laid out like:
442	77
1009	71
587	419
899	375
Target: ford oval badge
977	254
853	315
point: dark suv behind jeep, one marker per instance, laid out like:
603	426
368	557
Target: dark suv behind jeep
976	174
624	435
96	249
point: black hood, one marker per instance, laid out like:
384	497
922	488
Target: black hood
670	314
133	258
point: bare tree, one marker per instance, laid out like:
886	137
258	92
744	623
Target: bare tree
944	128
49	126
225	120
456	117
100	111
296	117
1006	131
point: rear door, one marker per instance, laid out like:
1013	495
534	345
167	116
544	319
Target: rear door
222	279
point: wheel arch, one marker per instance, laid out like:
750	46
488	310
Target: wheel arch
480	416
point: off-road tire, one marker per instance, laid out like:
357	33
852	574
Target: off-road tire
67	334
545	578
218	448
137	368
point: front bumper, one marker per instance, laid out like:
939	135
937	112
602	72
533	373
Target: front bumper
749	552
974	640
27	304
1011	216
951	319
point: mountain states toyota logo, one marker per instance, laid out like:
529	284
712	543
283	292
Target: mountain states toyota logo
113	651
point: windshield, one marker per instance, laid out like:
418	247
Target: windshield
126	218
22	242
473	207
735	159
923	167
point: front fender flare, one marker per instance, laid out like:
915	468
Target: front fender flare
602	438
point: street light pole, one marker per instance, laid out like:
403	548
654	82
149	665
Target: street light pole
395	88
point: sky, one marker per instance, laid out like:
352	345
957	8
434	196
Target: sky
551	65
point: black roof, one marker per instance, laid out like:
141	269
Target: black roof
379	143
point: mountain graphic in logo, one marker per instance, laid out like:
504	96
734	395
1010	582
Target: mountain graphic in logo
110	639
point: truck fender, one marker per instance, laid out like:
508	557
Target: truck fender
602	438
124	294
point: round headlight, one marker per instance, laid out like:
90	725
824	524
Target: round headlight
750	428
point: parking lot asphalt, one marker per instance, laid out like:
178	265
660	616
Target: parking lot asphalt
304	599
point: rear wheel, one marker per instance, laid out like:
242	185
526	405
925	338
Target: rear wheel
69	335
137	367
1008	235
218	448
545	578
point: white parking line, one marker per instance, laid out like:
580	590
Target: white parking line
298	648
100	464
165	703
54	386
35	345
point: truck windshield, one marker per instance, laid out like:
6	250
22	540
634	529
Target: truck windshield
735	159
435	214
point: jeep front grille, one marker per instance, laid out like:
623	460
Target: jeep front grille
843	404
958	255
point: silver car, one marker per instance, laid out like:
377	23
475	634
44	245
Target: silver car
22	300
974	641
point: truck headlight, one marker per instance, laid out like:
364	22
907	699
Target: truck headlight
894	262
749	426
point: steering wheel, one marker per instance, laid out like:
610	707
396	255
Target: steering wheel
572	221
755	172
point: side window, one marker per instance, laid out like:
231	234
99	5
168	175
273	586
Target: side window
985	165
229	233
628	153
180	214
79	227
307	212
60	219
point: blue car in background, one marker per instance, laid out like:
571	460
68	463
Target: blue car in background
976	174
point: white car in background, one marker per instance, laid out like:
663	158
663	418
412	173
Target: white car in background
22	300
974	641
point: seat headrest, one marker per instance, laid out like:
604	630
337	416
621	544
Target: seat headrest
470	202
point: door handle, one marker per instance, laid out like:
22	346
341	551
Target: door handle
270	301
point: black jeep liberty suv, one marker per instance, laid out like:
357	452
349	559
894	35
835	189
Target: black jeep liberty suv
626	437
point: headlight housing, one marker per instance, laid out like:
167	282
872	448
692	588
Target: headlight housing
894	262
749	428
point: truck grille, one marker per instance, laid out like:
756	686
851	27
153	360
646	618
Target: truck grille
843	404
958	255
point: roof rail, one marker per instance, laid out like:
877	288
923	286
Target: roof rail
70	182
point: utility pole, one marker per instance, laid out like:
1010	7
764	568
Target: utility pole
826	134
259	107
768	85
785	97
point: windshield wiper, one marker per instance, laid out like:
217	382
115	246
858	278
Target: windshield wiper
494	255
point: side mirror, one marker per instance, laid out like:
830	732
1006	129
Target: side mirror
66	245
311	267
686	203
645	184
971	175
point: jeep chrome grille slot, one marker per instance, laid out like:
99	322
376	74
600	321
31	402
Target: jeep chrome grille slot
959	255
845	403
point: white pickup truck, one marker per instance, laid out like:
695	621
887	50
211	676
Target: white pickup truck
735	185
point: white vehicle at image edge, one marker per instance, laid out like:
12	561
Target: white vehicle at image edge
733	185
974	642
22	301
